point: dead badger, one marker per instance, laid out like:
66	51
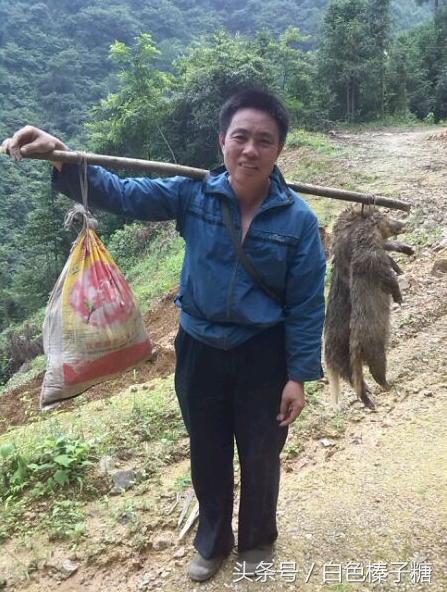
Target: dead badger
364	279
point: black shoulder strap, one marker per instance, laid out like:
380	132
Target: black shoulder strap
243	257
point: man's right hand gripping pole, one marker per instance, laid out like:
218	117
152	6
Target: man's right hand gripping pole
31	140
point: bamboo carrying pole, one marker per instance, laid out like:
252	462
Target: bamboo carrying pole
165	168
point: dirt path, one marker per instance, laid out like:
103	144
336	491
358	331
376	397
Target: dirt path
380	495
372	503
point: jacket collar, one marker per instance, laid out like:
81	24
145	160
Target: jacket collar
217	182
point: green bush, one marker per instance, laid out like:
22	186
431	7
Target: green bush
128	244
55	463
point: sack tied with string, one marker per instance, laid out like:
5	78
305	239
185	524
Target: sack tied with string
93	328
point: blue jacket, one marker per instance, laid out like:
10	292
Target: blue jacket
220	303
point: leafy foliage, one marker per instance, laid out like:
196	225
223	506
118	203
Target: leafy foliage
211	70
366	73
153	114
419	58
128	121
55	462
355	43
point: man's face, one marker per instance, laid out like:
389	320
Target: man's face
250	147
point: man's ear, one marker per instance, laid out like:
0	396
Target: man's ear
281	146
222	141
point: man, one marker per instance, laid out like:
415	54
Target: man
242	356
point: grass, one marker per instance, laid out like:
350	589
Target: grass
403	120
326	210
306	166
298	138
150	275
317	420
406	320
156	273
38	472
183	481
156	270
65	521
142	426
153	267
422	237
29	329
315	158
35	320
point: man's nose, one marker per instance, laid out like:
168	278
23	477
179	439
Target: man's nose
250	148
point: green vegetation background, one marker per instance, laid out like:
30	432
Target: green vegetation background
145	79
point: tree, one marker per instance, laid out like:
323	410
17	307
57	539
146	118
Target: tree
379	32
429	62
435	3
295	73
46	245
129	120
55	65
353	57
344	56
211	70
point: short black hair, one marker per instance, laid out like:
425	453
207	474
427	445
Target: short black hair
255	99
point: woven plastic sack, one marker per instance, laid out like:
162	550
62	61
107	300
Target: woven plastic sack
93	329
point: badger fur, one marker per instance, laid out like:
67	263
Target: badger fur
364	279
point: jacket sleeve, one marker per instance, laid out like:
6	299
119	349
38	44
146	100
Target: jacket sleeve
304	310
137	197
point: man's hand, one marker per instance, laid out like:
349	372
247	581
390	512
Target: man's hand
32	140
292	402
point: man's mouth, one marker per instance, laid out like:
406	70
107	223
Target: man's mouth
247	165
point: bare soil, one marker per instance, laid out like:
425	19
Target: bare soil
378	493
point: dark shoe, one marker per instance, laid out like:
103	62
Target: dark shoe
201	569
252	558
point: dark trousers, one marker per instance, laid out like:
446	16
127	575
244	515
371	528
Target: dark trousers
226	396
